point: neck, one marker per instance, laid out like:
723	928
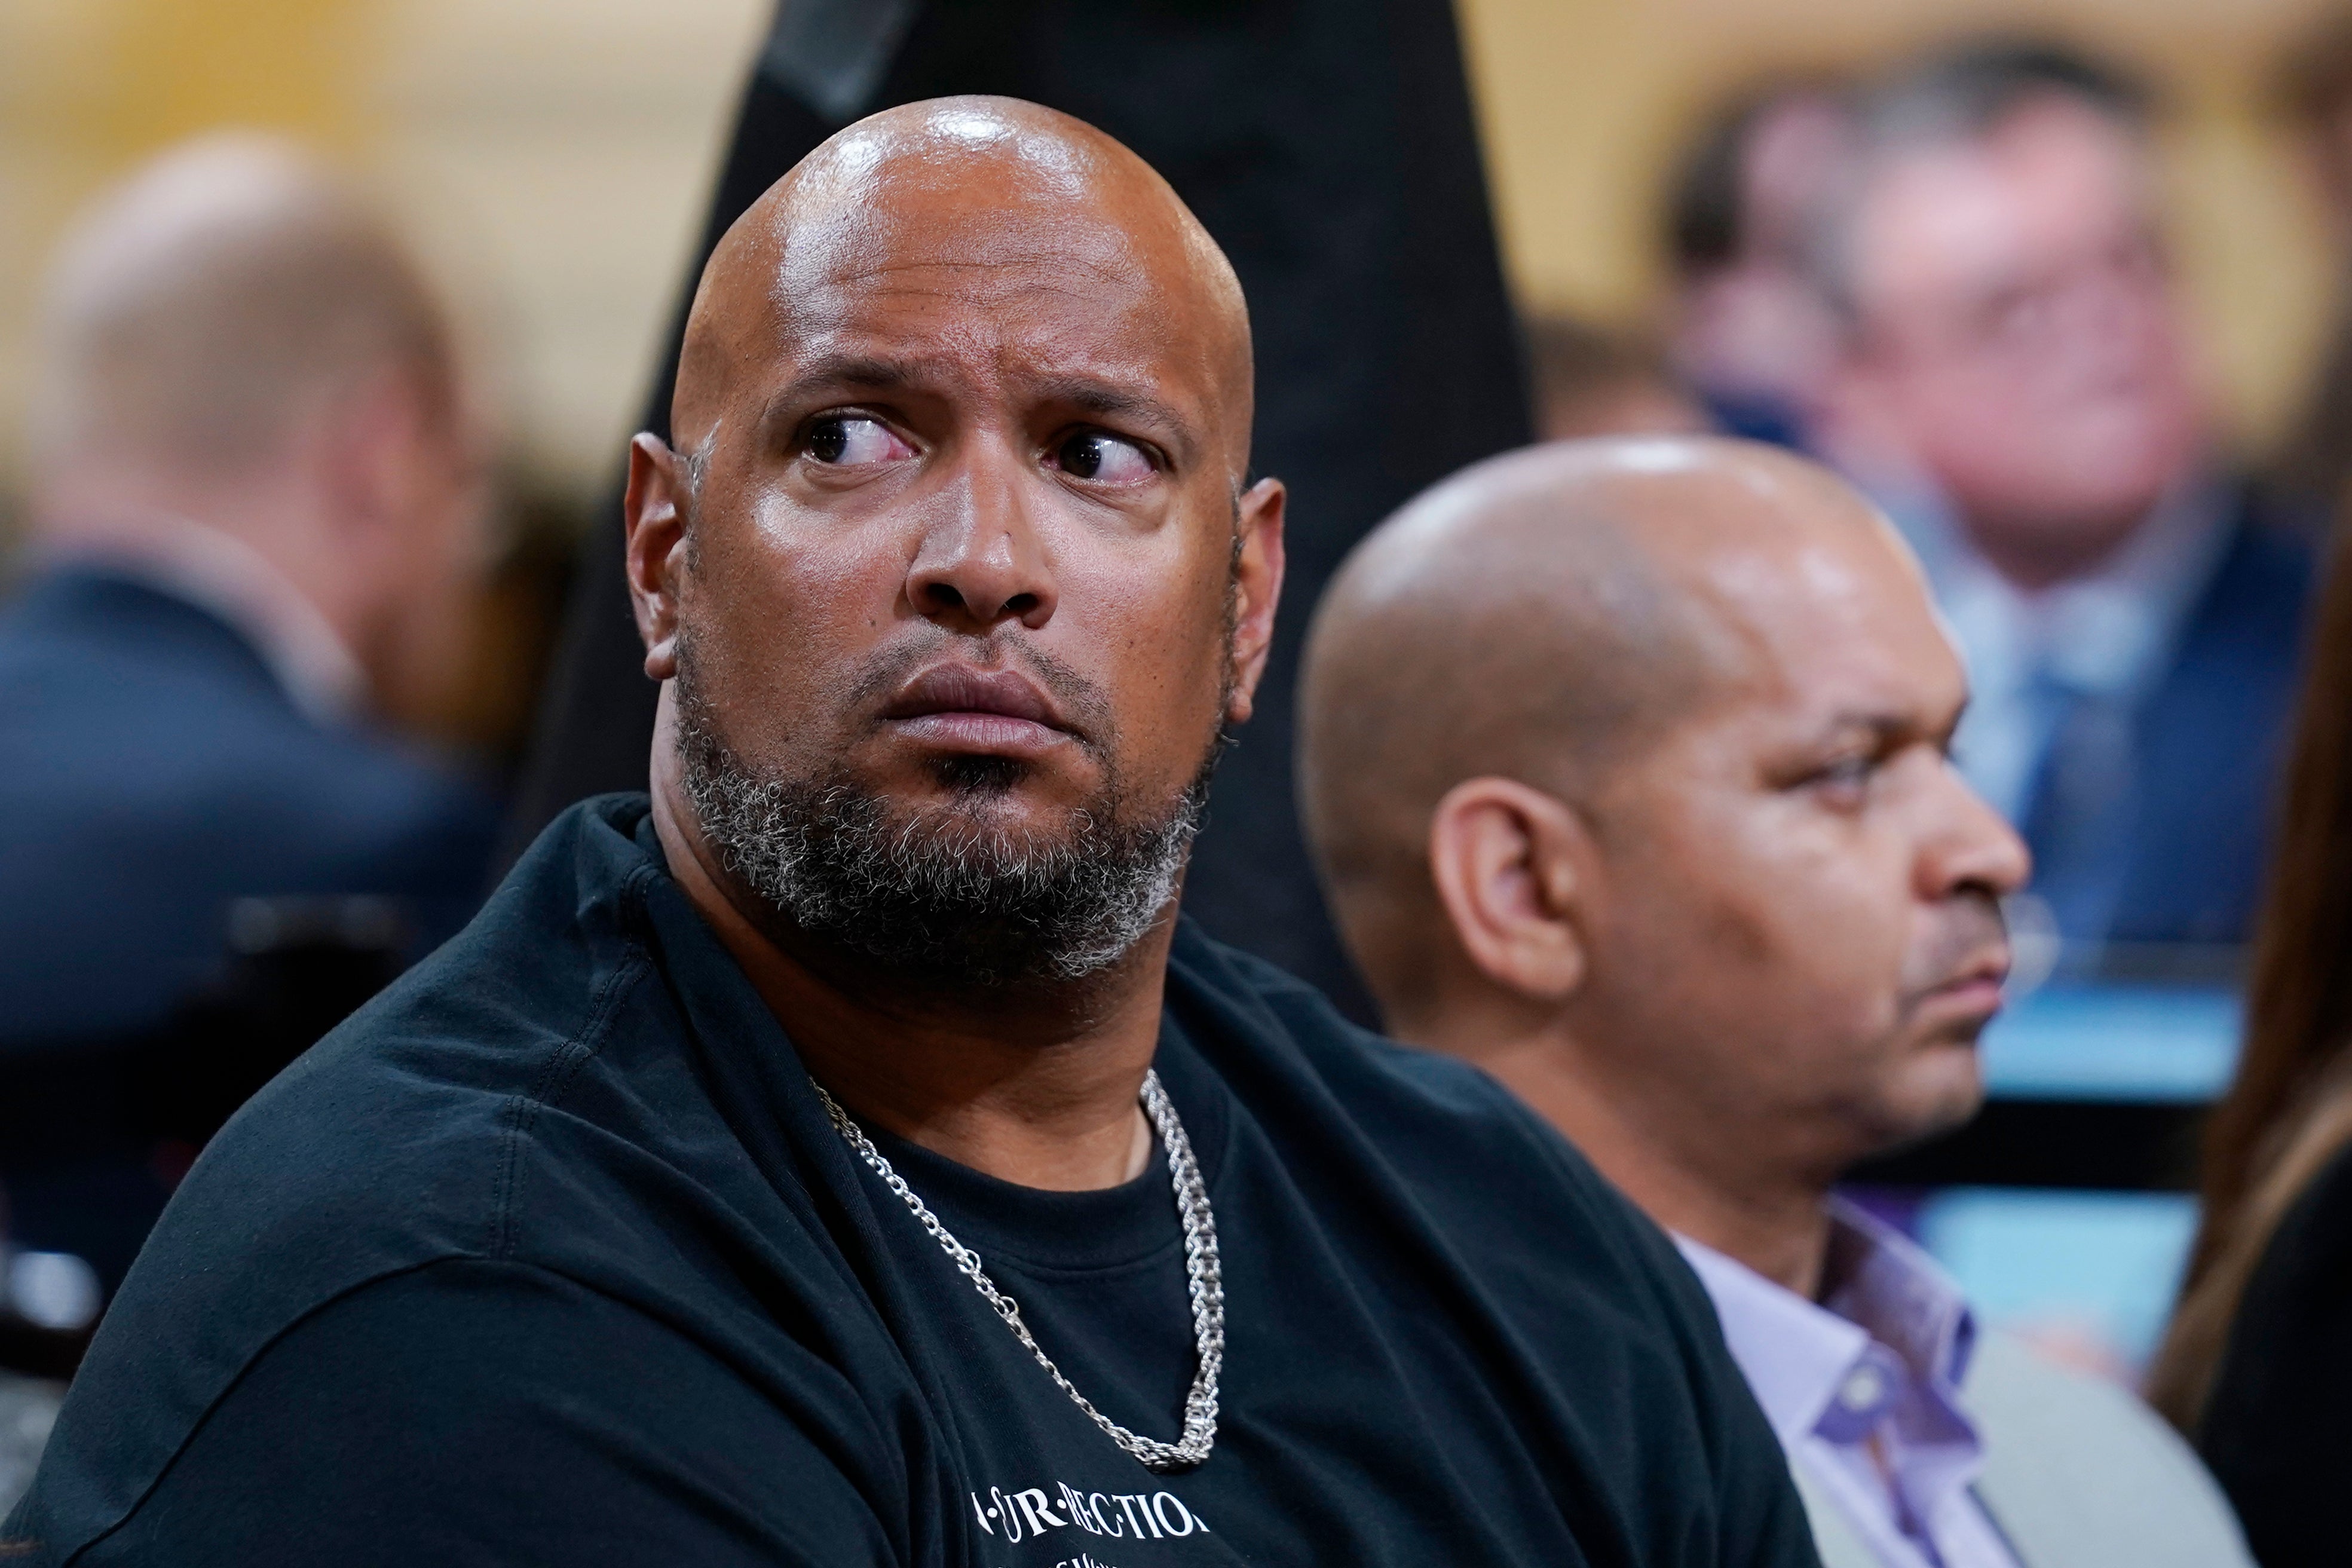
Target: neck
271	512
1040	1088
1696	1179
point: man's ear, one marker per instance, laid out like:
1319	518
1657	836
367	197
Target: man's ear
1514	870
655	512
1256	590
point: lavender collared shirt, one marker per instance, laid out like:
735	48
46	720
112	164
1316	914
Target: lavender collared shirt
1863	1390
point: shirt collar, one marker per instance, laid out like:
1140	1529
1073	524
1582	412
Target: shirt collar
2105	633
1798	1354
234	583
1880	1281
1792	1353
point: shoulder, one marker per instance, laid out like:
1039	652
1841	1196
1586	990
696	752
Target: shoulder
2316	1233
2261	586
1482	1224
504	1412
2274	1427
2077	1469
123	708
1414	1102
1507	1194
401	1140
2288	1358
79	644
445	1068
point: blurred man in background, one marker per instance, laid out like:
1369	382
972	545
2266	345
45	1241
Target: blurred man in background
254	480
1625	765
2016	384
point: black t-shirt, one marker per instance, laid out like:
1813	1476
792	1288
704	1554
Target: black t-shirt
550	1256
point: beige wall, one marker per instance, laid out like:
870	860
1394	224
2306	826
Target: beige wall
554	155
1584	103
557	153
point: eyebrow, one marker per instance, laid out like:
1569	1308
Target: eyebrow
1890	724
863	372
1096	396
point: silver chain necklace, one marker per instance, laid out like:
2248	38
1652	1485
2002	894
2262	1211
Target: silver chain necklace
1201	1269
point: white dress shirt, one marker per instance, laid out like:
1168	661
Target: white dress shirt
2107	634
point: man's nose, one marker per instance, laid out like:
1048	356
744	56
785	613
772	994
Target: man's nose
1971	845
983	560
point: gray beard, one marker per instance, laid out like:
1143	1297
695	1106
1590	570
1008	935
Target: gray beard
939	899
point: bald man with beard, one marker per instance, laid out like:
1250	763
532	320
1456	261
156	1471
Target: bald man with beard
1627	763
846	1156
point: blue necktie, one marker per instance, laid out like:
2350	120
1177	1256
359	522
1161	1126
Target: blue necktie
2080	814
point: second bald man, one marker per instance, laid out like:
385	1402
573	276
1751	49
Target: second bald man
846	1157
1628	765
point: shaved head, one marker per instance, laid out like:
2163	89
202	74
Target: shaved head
202	306
1540	616
1547	615
993	188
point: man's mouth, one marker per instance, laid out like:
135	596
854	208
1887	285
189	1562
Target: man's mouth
956	708
1974	989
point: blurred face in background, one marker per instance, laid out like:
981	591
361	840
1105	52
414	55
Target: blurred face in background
2017	338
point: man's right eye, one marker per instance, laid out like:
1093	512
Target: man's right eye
841	440
1845	783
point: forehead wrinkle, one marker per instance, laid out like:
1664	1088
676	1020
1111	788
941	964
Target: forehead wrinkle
999	202
837	289
826	281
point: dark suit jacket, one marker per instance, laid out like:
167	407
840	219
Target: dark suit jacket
151	771
2191	833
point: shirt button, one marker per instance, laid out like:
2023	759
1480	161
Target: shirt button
1863	1389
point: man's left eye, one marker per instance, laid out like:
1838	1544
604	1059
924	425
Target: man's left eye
1103	459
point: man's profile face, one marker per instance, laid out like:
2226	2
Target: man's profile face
963	557
1802	924
2017	325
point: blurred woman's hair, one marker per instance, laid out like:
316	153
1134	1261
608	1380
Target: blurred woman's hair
2289	1112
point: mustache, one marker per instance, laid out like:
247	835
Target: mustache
1085	705
1976	930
